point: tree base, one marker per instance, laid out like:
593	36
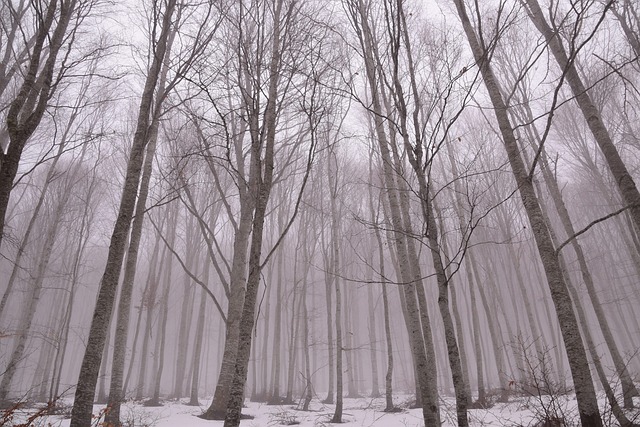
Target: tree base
8	404
152	403
213	415
277	400
258	397
481	404
221	415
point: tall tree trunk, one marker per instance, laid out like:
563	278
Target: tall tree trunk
332	173
185	315
197	350
76	263
308	384
352	387
585	392
83	403
329	304
124	306
375	387
261	188
277	335
308	388
387	327
218	408
164	316
293	340
628	388
148	303
409	270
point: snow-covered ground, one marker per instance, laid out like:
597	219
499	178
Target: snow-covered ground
357	412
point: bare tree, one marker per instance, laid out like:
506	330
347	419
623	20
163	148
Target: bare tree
43	74
567	62
585	392
85	390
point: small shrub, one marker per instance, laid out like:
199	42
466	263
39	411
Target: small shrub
284	418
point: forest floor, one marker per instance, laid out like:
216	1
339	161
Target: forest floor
519	412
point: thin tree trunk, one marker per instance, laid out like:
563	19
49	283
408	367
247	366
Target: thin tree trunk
293	347
308	395
277	336
337	414
329	303
185	315
494	332
197	351
83	240
352	388
164	315
147	304
335	279
24	327
375	387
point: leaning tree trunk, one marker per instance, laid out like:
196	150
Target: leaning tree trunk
26	110
585	392
592	116
628	388
81	415
17	263
618	413
124	307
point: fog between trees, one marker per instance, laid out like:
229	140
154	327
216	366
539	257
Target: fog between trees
288	201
